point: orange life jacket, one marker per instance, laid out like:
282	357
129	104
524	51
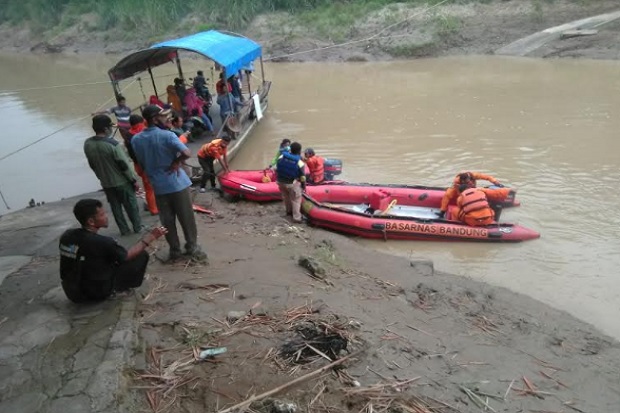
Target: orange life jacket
213	149
471	200
316	165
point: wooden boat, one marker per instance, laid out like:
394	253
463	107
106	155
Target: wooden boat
401	213
230	53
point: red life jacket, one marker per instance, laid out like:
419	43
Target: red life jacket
473	199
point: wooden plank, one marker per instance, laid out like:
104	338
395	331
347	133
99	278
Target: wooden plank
577	33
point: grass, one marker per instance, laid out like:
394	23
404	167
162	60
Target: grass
406	50
333	20
446	25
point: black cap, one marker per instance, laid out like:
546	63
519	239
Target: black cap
100	122
151	111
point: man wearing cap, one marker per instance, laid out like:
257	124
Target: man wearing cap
108	160
161	154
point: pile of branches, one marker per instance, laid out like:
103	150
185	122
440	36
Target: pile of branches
315	339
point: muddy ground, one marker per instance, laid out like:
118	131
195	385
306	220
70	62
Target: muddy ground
417	339
398	31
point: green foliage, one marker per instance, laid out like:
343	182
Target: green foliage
332	18
407	50
446	25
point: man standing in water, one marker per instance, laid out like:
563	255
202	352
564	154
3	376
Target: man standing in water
107	159
161	154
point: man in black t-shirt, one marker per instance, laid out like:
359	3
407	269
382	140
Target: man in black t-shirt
93	266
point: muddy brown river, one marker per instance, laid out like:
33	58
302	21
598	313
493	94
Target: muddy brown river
547	127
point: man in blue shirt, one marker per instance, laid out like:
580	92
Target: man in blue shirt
292	180
161	154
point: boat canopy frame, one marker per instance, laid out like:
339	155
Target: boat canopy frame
231	52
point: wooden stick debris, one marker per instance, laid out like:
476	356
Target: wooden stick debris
289	384
509	387
314	399
542	373
319	352
420	330
478	401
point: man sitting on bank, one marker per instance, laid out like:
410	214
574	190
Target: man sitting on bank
93	266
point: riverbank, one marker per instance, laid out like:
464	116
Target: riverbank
443	333
352	33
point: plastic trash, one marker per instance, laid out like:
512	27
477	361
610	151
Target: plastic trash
210	352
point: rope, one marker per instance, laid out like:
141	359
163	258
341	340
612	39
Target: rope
70	85
54	87
367	39
4	200
61	129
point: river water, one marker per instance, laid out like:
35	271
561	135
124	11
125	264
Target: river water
546	127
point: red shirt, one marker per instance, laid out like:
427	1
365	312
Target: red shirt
219	87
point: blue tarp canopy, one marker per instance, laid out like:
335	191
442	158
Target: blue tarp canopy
230	52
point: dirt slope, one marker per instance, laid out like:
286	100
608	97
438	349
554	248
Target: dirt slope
397	31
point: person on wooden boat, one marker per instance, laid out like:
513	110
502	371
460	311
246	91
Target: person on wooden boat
138	125
109	162
200	84
463	178
92	266
161	154
228	103
316	166
207	154
235	85
173	99
194	104
121	111
473	206
176	126
179	88
291	177
285	146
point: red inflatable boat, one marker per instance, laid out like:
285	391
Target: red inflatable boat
397	212
261	186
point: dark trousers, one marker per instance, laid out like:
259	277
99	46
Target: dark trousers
178	205
128	274
208	171
124	196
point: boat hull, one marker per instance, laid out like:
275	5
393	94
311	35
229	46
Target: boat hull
249	185
330	216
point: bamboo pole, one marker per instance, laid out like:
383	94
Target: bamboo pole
287	385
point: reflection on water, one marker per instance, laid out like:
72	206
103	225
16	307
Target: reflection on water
547	127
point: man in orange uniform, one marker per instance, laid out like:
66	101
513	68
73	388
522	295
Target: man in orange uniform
216	149
464	178
473	206
137	125
315	165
